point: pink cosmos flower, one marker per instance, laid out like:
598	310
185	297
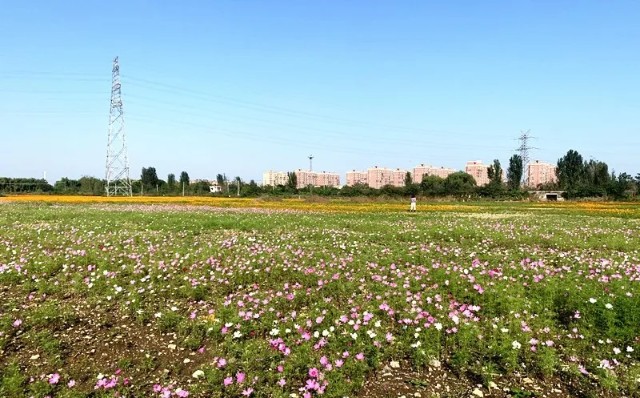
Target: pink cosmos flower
281	382
182	393
339	363
157	388
313	372
247	392
240	377
360	356
54	378
228	381
17	323
71	383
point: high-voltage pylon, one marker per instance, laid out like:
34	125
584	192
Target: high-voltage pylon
117	170
523	149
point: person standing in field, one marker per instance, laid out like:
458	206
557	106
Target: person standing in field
413	202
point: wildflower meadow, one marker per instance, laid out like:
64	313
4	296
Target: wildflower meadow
302	299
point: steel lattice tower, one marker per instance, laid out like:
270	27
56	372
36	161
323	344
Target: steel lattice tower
117	170
524	154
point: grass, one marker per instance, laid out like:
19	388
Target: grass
289	297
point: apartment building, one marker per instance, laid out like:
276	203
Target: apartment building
274	178
420	171
377	177
325	179
397	177
540	173
316	179
479	172
357	177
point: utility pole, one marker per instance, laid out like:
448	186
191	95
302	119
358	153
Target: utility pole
310	163
523	149
117	166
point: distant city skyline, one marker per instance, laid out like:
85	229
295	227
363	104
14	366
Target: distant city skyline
242	87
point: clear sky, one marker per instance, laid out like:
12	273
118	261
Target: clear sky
241	87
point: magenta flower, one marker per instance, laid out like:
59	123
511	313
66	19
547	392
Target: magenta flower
247	392
182	393
281	382
360	356
17	323
228	381
240	377
71	383
313	372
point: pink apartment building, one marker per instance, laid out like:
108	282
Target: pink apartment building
422	170
397	177
356	177
478	171
325	179
540	173
377	177
321	179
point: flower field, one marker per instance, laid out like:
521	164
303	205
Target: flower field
204	297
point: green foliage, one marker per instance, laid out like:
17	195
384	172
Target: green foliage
12	381
184	178
459	184
24	185
432	185
571	172
292	180
515	172
149	178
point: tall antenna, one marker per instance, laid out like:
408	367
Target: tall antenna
524	154
117	170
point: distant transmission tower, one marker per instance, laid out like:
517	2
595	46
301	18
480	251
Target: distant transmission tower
117	170
524	154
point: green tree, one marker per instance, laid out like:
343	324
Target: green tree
459	184
515	172
171	182
408	180
596	179
220	180
620	187
149	178
91	186
494	173
252	189
432	185
570	172
184	178
292	180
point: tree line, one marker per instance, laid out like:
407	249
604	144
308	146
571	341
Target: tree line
576	178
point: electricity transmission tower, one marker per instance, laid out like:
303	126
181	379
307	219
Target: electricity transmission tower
117	169
524	154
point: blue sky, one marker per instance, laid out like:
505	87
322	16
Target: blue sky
240	87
